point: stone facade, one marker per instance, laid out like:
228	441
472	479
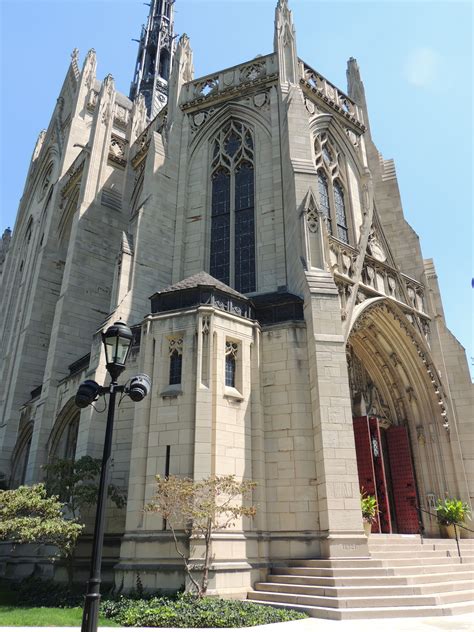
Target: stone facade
344	319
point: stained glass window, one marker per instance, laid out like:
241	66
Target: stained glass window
220	226
341	219
176	365
244	230
232	161
324	198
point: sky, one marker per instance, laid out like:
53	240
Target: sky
415	59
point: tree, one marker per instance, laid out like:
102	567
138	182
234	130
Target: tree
200	508
28	515
76	483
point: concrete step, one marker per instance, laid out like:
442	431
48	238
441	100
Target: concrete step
376	613
436	557
378	590
377	571
418	543
390	555
386	580
366	601
439	560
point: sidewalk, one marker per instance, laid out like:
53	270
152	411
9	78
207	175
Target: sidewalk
460	623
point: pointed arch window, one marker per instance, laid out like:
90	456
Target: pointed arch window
341	219
175	351
331	187
324	197
232	251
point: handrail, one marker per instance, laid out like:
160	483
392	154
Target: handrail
455	523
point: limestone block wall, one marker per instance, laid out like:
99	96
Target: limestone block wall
290	464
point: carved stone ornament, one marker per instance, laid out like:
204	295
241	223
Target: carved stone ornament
260	99
312	216
375	247
229	78
199	118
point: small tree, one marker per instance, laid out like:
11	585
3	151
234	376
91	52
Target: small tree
200	508
29	516
76	483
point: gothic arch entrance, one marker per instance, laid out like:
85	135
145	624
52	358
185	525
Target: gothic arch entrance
394	403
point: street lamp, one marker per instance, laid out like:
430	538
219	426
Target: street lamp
117	342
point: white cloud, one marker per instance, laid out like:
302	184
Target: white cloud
422	67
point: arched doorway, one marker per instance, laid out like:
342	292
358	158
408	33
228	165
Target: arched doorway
399	416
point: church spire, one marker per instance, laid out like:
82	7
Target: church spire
155	52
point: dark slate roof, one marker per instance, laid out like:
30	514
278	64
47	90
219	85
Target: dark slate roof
201	279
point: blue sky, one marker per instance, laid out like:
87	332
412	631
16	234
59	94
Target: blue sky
415	60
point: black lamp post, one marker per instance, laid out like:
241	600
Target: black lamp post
117	342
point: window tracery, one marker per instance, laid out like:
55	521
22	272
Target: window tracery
231	351
175	350
232	256
331	186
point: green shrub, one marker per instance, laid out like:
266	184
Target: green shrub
186	611
36	592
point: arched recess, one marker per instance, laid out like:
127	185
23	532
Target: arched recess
345	170
20	456
199	180
62	441
395	386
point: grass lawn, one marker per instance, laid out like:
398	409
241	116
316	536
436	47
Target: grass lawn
40	617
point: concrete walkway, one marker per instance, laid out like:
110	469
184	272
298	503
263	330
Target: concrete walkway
460	623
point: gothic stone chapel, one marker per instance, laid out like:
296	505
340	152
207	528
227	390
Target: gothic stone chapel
245	224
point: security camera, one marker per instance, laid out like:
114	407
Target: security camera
87	392
139	387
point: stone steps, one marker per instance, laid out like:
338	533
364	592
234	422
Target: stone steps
377	613
362	591
375	571
402	578
365	601
355	580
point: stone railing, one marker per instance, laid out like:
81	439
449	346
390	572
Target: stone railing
256	71
331	95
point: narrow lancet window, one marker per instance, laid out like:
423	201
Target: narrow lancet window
341	219
324	198
175	351
220	226
231	350
244	229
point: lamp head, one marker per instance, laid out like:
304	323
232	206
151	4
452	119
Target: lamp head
117	341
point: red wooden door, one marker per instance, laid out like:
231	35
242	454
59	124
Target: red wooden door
403	479
365	463
380	478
